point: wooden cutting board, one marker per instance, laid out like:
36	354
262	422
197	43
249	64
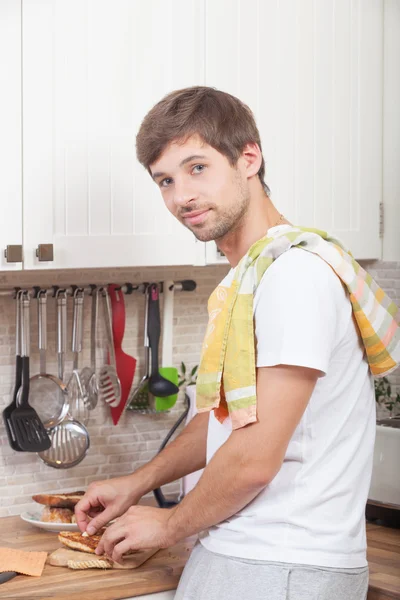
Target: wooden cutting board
61	556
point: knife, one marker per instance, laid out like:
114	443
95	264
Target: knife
7	576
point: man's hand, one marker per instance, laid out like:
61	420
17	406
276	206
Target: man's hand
104	501
141	527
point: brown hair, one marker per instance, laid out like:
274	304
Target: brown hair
221	120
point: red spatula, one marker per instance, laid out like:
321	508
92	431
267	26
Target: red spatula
125	364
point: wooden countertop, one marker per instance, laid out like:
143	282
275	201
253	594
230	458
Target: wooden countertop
384	562
162	571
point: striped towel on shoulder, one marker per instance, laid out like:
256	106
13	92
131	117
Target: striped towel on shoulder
226	382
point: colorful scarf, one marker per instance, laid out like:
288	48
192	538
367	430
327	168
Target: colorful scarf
227	374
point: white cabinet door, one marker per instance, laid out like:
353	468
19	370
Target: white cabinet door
391	131
91	71
10	130
312	73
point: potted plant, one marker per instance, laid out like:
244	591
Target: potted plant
185	378
384	397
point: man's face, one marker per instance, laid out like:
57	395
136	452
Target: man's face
201	189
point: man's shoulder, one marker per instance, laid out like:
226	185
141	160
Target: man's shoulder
301	267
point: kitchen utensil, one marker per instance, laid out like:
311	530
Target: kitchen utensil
158	494
138	399
125	364
88	374
158	385
18	379
77	393
7	575
109	383
168	372
31	436
70	438
69	444
47	392
42	328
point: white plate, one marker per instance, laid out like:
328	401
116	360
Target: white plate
33	517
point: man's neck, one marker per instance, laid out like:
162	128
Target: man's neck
261	216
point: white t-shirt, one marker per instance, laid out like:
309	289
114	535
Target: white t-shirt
313	510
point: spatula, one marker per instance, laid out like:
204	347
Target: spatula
125	364
7	412
109	383
29	430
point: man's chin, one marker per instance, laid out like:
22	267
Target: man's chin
203	236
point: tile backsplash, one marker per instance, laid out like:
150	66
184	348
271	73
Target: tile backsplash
114	450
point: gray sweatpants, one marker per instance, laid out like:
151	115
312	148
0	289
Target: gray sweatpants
210	576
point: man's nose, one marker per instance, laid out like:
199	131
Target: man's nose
183	194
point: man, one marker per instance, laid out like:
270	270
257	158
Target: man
280	505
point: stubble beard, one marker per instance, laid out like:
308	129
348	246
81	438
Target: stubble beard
228	220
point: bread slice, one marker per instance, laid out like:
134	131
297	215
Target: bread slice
61	557
67	500
93	563
65	557
77	541
52	514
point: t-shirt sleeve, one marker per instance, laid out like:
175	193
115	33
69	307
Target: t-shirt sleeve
296	312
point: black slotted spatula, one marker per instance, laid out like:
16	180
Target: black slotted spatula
31	436
7	412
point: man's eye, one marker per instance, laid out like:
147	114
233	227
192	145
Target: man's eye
199	168
166	182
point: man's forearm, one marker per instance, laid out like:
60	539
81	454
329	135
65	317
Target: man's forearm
186	454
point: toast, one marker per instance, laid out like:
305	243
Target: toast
64	557
51	514
77	541
73	559
67	500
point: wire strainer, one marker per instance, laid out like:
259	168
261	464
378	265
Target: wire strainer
48	393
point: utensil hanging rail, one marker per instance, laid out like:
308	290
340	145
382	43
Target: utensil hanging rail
185	285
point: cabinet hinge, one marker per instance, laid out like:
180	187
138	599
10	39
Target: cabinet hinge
381	220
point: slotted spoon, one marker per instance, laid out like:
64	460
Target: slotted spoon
69	439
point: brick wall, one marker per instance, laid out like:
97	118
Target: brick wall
114	450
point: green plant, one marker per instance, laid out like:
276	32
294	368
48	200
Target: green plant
185	378
383	396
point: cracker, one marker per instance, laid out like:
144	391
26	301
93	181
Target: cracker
21	561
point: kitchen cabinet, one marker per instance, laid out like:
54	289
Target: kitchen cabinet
91	71
391	130
313	74
10	138
321	78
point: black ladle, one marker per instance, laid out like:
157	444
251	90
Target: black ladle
158	385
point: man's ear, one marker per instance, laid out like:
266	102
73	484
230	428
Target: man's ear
251	159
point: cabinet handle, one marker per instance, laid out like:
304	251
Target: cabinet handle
13	254
45	252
